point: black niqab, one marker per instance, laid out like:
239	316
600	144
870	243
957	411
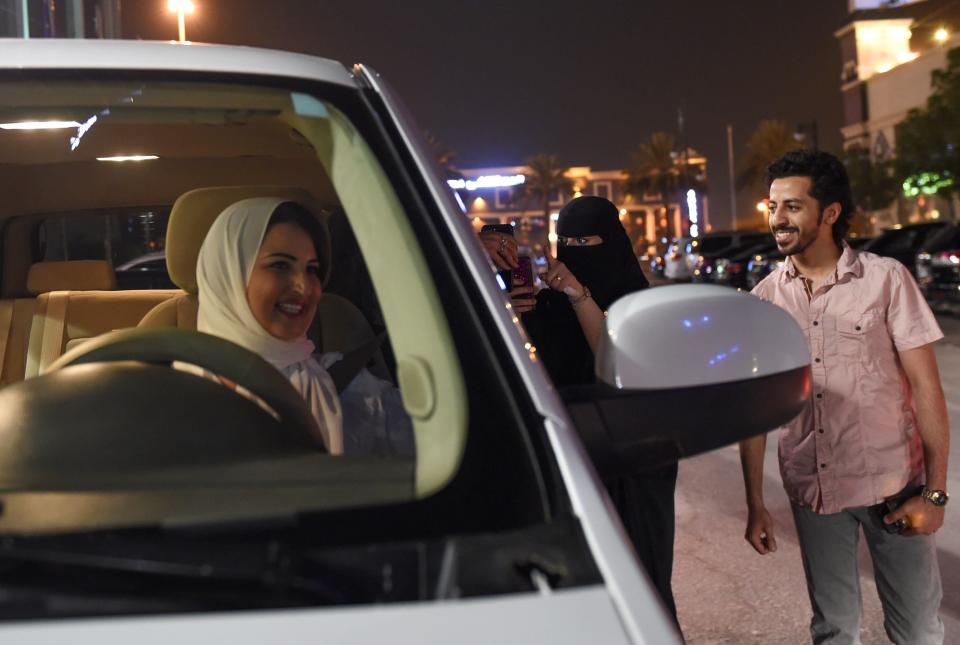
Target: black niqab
610	270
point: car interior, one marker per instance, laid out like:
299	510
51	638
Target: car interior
98	175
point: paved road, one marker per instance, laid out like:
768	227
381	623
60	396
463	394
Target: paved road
726	593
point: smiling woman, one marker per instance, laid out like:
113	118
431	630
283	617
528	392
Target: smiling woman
260	281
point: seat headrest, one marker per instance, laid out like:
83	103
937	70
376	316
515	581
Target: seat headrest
194	212
72	275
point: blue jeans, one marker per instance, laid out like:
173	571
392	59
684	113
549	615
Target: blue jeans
906	571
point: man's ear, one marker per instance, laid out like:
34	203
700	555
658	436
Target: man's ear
832	212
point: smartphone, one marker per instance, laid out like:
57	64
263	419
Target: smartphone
891	504
523	274
504	277
506	229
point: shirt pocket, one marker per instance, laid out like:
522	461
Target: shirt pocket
855	331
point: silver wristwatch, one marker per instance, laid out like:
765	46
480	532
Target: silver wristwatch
935	497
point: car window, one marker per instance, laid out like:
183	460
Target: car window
943	240
714	244
896	241
131	240
213	136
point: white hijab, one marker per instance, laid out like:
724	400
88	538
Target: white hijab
224	266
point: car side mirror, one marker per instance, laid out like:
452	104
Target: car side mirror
685	369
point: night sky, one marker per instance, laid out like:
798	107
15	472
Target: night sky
586	80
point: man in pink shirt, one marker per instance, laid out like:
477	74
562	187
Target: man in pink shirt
875	432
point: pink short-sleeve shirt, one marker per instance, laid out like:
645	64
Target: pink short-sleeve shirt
856	442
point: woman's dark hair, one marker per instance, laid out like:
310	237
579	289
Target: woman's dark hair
828	182
294	213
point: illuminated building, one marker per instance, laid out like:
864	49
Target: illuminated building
888	52
493	196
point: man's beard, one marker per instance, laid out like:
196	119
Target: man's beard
801	244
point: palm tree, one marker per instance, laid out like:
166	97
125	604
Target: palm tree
771	140
657	168
546	176
654	169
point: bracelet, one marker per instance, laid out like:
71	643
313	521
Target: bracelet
583	296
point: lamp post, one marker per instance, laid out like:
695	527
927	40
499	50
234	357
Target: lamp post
182	8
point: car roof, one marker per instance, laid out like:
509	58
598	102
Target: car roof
73	54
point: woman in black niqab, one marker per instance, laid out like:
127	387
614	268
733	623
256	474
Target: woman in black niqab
610	270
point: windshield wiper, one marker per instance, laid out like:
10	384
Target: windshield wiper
268	568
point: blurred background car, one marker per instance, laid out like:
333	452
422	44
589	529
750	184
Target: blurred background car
733	271
903	243
679	258
657	261
723	245
938	266
148	271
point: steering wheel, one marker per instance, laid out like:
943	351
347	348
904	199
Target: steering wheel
215	354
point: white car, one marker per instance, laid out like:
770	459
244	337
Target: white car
679	258
145	504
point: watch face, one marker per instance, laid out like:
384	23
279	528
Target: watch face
937	497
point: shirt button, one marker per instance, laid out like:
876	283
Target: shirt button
820	430
816	360
815	323
819	395
857	327
822	466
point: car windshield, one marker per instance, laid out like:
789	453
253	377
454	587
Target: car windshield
117	179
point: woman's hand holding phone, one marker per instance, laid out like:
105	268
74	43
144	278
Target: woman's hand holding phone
501	248
559	278
521	296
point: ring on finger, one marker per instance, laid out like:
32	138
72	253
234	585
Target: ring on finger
503	244
558	278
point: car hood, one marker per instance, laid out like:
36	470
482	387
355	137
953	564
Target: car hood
572	616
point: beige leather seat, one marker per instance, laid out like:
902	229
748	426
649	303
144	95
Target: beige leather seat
16	316
75	302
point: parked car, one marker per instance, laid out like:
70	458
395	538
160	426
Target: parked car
714	246
678	259
734	271
904	242
147	271
141	499
657	262
860	243
938	266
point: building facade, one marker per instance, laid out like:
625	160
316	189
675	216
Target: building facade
60	19
495	196
888	52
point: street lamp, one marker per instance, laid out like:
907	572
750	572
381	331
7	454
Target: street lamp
181	7
941	35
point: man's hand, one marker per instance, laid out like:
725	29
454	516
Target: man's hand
501	248
760	531
923	518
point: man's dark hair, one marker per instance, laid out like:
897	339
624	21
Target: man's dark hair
828	182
